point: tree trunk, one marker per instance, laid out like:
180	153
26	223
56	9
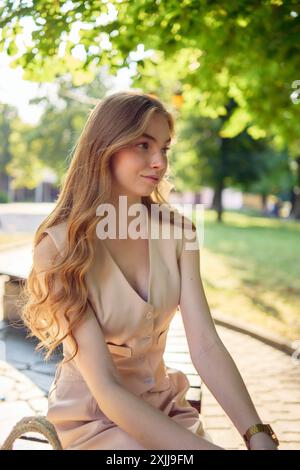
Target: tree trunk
295	210
217	201
264	202
4	182
222	170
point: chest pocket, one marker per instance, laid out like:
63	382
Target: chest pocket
120	350
162	336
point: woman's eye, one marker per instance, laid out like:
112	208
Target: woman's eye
165	149
143	143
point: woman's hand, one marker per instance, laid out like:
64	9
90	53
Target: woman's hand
262	441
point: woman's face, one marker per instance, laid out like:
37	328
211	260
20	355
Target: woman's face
146	156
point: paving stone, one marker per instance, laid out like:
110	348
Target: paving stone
21	444
295	409
289	436
22	387
217	422
6	384
289	446
288	426
17	408
186	368
39	405
11	395
177	348
181	358
211	410
226	438
194	380
193	393
6	425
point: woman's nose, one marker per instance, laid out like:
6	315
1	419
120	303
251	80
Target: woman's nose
159	161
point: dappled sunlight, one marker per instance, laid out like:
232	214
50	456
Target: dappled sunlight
228	290
237	219
264	256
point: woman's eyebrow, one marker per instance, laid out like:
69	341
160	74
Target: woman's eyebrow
153	138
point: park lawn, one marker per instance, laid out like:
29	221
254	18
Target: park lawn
250	268
7	239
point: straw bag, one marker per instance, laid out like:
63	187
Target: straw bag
33	424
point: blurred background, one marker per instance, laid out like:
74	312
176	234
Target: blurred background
228	72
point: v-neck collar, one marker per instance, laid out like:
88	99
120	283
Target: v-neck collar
148	301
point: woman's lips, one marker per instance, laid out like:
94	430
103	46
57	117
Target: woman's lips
150	178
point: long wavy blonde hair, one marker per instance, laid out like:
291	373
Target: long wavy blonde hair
112	125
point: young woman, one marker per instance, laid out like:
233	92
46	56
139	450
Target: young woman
109	301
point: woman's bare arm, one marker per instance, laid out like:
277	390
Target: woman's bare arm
148	425
208	353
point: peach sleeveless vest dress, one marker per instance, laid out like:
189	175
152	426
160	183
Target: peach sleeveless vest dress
135	331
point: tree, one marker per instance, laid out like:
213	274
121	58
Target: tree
279	178
245	50
49	144
7	115
207	158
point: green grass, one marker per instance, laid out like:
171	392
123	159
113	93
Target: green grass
251	270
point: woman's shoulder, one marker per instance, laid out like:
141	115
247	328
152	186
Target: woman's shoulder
58	236
177	225
174	215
